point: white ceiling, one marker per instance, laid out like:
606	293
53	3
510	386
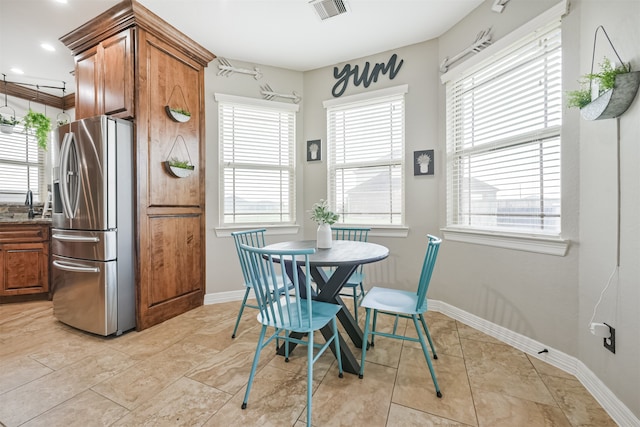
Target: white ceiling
280	33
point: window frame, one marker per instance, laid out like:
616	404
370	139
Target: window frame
390	95
16	196
288	227
530	242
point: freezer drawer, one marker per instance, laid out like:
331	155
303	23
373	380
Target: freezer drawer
94	245
85	294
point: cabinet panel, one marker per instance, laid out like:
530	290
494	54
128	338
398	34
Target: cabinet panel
117	71
174	268
87	84
25	268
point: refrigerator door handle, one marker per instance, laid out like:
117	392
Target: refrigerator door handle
66	175
64	238
74	268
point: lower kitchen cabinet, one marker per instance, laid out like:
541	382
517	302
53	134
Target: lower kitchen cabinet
24	259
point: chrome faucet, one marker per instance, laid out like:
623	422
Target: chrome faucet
29	202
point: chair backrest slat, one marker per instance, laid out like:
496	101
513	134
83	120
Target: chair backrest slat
254	238
283	310
427	269
356	234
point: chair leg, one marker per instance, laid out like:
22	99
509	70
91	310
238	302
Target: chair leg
426	330
426	355
254	366
309	376
244	301
365	336
375	320
355	302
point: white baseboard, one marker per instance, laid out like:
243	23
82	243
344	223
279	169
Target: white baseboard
616	409
220	297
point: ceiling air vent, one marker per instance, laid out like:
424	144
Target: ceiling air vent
329	8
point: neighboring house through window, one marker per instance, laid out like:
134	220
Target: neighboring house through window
257	161
504	117
366	157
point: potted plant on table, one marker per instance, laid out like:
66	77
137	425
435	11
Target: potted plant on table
324	217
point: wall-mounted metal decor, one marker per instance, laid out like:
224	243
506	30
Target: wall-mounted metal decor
365	78
483	39
226	69
423	162
269	94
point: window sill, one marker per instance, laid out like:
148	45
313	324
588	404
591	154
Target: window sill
272	230
382	231
520	242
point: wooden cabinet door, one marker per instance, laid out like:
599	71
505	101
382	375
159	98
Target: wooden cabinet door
117	75
25	268
87	84
104	78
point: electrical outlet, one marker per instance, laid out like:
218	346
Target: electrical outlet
610	343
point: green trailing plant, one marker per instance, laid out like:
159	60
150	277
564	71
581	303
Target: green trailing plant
321	213
40	124
181	111
605	79
182	164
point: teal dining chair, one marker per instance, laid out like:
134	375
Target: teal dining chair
252	238
354	285
288	312
405	304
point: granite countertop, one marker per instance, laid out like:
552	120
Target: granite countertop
24	220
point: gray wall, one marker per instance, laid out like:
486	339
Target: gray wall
620	306
547	298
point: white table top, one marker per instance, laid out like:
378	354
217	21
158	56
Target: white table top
342	252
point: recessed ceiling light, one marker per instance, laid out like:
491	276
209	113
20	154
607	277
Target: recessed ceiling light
62	1
17	70
47	46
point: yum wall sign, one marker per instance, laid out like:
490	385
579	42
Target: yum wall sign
366	77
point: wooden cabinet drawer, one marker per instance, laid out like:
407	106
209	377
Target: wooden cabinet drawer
18	233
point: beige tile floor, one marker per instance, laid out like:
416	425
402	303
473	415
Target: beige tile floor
189	372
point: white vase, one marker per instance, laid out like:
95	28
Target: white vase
324	236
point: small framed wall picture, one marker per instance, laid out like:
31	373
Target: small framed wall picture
314	150
423	162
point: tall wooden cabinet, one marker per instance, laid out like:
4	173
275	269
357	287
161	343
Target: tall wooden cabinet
132	64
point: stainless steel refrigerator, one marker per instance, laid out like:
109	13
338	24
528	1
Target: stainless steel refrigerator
92	262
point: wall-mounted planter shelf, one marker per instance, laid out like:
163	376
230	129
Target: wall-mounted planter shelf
179	172
175	116
613	102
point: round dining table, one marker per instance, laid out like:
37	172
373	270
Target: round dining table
344	257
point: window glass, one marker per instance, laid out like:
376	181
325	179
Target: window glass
504	118
257	162
366	160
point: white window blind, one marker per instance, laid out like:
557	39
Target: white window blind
366	160
257	161
21	166
504	118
